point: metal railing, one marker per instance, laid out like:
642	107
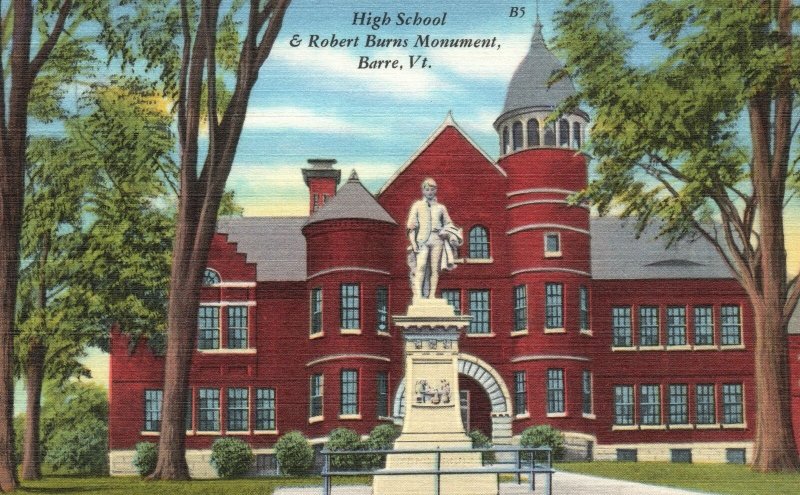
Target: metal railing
526	460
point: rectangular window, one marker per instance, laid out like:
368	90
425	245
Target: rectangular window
520	393
735	456
731	325
479	309
315	396
382	395
703	325
208	327
350	307
623	405
453	298
554	305
583	304
208	409
316	310
265	409
152	409
732	410
349	396
555	391
650	404
621	327
676	325
627	455
238	409
681	455
382	309
678	404
237	327
552	243
706	404
648	326
587	392
520	307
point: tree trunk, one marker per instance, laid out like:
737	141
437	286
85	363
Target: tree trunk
34	373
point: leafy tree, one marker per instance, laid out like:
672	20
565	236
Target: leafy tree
83	449
700	143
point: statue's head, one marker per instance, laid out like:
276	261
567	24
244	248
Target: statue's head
429	188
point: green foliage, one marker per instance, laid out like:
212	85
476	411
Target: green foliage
231	457
543	436
83	449
294	453
344	439
381	437
19	436
481	441
146	458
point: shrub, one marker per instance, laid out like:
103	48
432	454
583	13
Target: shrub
294	453
231	457
481	441
83	449
543	436
344	439
381	437
146	458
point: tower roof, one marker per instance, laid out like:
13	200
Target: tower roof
352	201
529	88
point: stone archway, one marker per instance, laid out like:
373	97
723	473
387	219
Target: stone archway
491	381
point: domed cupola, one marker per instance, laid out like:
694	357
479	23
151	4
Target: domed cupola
531	99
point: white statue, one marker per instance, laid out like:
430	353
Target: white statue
433	239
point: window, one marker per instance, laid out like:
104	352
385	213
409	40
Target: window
533	133
382	309
265	409
516	135
681	455
152	409
382	395
349	395
583	305
453	298
549	135
648	326
735	456
316	310
520	393
576	135
732	411
504	145
478	243
623	405
650	405
587	392
520	308
553	305
731	325
552	244
676	325
563	132
208	327
678	404
479	309
208	409
350	317
315	402
706	404
238	409
627	455
555	391
237	327
703	325
211	277
621	327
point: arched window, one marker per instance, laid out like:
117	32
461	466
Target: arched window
504	144
478	243
533	133
576	135
550	135
563	132
516	134
211	277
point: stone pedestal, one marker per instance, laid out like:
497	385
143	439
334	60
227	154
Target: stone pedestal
433	415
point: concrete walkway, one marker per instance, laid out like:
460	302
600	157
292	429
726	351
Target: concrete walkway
563	484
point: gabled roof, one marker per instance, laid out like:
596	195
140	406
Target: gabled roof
352	201
448	122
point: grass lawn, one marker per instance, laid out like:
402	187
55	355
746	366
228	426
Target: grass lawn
54	484
713	478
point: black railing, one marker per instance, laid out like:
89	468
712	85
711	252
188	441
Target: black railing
524	460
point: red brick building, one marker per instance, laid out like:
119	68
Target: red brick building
633	350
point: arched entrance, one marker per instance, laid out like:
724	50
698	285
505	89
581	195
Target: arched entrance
492	383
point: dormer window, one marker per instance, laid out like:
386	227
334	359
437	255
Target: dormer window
552	245
211	277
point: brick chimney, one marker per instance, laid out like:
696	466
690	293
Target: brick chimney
321	179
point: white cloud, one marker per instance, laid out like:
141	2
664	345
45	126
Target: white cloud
304	119
479	63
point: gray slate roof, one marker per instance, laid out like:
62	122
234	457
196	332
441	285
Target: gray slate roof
529	89
352	201
275	244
